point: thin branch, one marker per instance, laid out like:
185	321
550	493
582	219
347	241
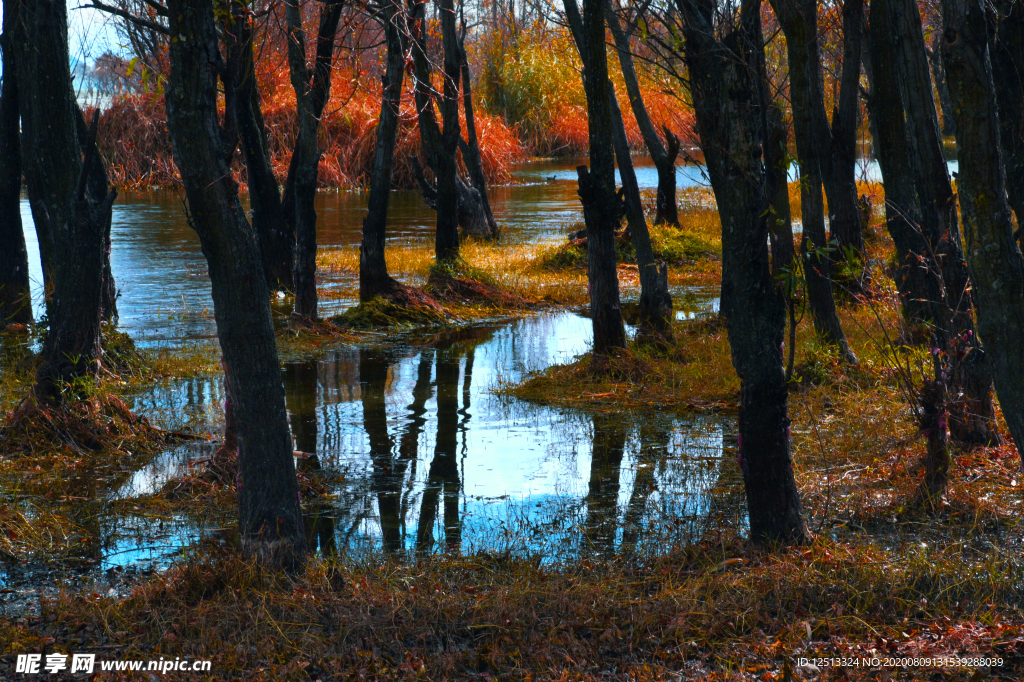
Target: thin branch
116	11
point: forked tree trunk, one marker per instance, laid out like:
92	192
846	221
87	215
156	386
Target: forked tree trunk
726	109
373	269
15	294
275	237
270	523
813	142
96	179
312	90
663	155
69	216
655	301
997	268
439	146
603	209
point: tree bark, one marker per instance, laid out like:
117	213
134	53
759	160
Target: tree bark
728	122
64	204
312	90
1007	55
655	301
96	177
603	208
274	234
939	221
997	268
663	155
270	522
373	270
941	87
813	141
847	228
15	293
919	286
439	146
470	147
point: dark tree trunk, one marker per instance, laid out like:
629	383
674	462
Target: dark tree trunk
609	443
663	155
270	523
373	270
726	106
439	146
470	147
72	216
939	218
847	228
939	75
776	154
1007	55
603	209
655	301
312	90
273	232
919	285
813	142
15	294
96	179
997	268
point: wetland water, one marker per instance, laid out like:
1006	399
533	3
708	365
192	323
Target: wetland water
420	453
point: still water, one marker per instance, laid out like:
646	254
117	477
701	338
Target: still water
161	273
421	454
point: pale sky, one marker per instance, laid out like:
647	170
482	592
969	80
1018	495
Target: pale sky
90	32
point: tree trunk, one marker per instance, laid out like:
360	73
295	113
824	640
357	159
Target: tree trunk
919	286
471	146
813	141
65	206
15	294
1007	55
655	301
997	268
312	90
941	87
776	161
726	108
96	177
270	522
274	235
663	155
440	147
939	217
847	228
603	209
373	270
